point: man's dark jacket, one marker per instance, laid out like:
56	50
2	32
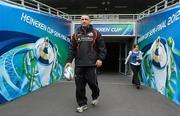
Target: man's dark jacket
84	50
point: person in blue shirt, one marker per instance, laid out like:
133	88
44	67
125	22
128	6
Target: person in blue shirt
135	57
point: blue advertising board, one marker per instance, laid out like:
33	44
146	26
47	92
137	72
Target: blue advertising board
158	39
123	29
33	50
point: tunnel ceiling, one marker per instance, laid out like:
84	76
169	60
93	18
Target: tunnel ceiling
101	6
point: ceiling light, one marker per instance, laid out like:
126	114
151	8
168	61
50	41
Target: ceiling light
105	2
120	6
91	7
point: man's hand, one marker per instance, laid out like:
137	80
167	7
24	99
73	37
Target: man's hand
68	64
98	63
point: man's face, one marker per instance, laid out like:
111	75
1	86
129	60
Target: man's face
85	21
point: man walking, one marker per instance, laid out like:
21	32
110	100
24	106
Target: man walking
88	49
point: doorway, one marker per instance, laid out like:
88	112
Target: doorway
112	58
117	51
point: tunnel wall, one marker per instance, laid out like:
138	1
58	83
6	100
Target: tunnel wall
33	50
158	36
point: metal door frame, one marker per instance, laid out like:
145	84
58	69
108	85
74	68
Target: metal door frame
120	58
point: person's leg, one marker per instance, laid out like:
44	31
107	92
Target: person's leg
135	70
133	82
136	78
80	82
92	81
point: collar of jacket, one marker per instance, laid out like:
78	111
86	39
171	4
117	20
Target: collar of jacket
89	29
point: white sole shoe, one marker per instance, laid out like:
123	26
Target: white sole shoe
81	109
94	102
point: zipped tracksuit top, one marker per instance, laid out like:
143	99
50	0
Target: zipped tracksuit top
87	46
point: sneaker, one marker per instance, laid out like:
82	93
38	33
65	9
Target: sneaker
81	108
94	102
138	86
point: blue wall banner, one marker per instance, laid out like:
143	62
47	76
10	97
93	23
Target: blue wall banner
124	29
33	50
159	40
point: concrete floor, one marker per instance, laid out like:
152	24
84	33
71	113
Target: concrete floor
118	97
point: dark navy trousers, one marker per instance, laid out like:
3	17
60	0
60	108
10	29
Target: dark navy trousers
84	76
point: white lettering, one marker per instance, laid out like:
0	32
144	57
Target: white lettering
103	29
116	29
173	18
31	21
